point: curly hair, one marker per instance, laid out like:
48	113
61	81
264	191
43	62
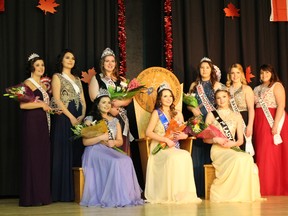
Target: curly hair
158	103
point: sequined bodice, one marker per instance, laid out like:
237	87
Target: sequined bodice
266	94
230	119
208	89
67	92
239	96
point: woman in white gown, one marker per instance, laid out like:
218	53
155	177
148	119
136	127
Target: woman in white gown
169	177
237	177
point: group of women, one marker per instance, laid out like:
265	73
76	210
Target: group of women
172	177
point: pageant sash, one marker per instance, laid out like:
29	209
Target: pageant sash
223	124
165	123
45	98
277	138
248	145
205	101
75	86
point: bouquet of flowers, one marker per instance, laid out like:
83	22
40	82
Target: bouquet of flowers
126	90
173	127
190	99
96	129
197	127
21	93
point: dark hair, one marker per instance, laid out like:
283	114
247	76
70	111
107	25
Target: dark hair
158	103
274	76
30	65
213	75
116	69
94	110
59	65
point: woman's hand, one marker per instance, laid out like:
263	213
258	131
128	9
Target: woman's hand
169	142
195	110
114	111
274	129
179	136
229	144
220	141
248	131
73	121
80	118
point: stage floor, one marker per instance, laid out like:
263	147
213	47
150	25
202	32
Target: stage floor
273	206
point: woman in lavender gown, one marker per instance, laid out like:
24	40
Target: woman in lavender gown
110	178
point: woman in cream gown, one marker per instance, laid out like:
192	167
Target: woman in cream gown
237	177
169	177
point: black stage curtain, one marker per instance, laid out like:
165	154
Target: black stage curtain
200	29
87	27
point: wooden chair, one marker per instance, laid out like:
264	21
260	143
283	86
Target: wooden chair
144	105
209	172
78	183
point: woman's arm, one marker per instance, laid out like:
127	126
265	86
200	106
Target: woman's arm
95	140
119	139
93	88
150	130
83	102
249	97
280	97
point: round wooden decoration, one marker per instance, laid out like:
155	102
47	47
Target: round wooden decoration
152	77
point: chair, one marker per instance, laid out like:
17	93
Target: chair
144	104
209	172
78	183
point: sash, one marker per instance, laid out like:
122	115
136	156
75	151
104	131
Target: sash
248	145
45	99
205	101
225	127
75	86
165	123
277	138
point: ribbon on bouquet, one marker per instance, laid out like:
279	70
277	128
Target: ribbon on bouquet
276	138
248	146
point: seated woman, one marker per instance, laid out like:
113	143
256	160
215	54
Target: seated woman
110	178
237	177
169	177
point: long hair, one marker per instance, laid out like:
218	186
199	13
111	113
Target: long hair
115	71
242	78
274	77
95	110
59	65
158	103
213	76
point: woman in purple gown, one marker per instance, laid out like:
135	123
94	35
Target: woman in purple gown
35	148
110	178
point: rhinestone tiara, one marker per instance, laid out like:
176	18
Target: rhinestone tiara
107	52
32	56
163	86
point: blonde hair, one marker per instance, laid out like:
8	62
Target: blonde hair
242	79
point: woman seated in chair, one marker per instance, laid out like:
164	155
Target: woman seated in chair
236	174
169	177
110	178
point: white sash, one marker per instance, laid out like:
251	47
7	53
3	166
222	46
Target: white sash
277	138
248	146
45	98
75	86
205	101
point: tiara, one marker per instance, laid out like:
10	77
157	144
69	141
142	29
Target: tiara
32	56
107	52
163	86
103	92
206	59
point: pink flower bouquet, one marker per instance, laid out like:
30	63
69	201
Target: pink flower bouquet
21	92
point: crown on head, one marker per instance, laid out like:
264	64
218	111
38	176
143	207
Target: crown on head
205	59
163	86
103	92
32	56
107	52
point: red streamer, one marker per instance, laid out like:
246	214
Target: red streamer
122	38
168	34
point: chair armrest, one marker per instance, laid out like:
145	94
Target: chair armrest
186	144
144	149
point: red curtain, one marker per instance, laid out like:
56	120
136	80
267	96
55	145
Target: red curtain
279	10
2	5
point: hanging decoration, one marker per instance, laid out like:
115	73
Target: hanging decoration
248	74
87	76
47	6
122	38
168	34
2	5
231	11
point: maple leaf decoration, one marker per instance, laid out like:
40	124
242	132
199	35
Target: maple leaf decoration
47	6
249	75
87	76
231	11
